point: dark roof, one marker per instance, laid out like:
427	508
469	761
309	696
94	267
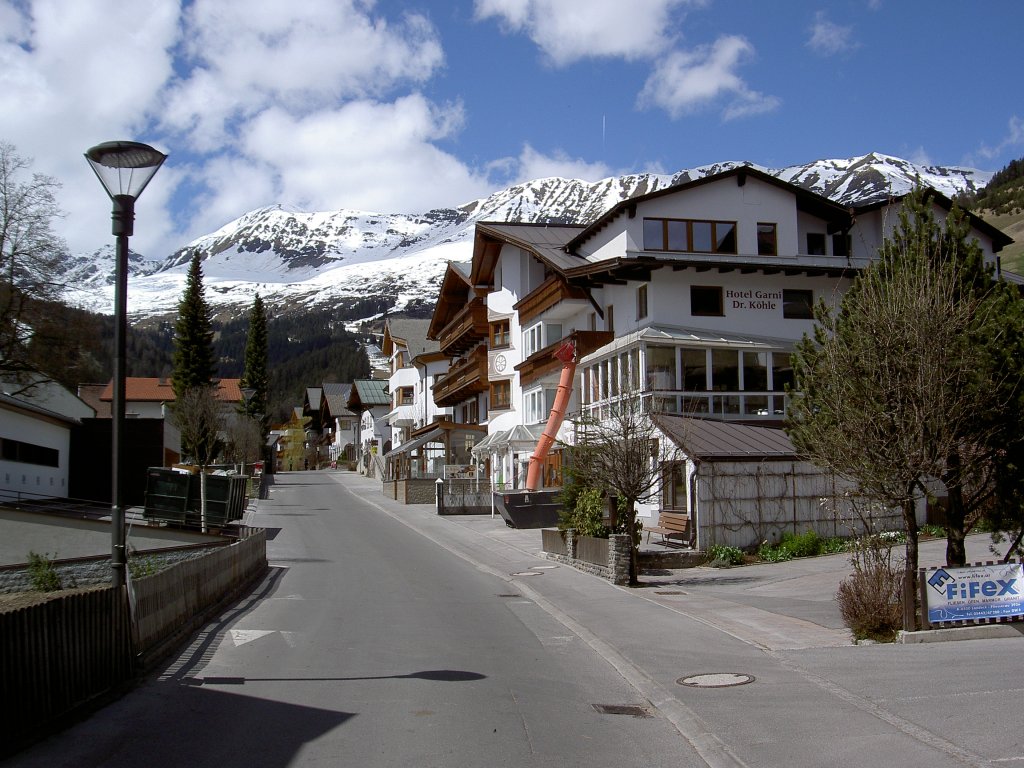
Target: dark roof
367	393
547	241
412	333
712	440
806	200
336	396
999	238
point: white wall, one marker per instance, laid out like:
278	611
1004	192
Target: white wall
34	478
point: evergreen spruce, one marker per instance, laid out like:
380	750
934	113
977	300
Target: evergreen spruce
255	375
194	360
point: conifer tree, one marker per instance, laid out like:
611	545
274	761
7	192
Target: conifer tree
255	375
194	360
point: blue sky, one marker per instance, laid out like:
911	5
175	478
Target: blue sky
404	106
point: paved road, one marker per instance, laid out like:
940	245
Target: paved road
388	636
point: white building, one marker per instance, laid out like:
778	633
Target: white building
694	296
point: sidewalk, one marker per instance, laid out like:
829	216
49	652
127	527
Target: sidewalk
774	606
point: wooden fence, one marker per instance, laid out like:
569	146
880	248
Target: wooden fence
64	653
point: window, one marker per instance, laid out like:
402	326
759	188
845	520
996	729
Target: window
404	396
706	301
782	371
694	236
501	395
695	370
725	371
815	244
537	405
842	245
767	243
755	371
674	488
609	318
661	367
399	361
798	304
28	453
641	302
532	339
500	334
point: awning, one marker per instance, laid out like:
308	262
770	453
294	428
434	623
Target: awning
412	445
692	337
481	447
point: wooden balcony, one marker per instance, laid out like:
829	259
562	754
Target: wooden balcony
466	377
467	329
543	361
552	292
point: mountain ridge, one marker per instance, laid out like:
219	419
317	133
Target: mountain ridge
350	261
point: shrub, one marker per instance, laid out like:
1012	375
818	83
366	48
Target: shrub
721	556
43	575
870	600
770	554
587	514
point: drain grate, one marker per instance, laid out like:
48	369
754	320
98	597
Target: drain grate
716	680
508	594
621	709
668	592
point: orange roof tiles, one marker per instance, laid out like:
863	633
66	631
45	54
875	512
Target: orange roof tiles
159	390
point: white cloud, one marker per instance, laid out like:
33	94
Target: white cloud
570	30
687	81
1014	138
828	38
532	164
367	155
306	56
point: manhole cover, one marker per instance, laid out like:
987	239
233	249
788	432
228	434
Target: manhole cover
716	680
621	709
528	573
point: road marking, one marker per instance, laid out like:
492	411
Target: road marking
243	636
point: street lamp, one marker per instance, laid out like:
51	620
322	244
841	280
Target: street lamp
124	168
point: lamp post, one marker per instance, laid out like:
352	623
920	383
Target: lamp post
124	168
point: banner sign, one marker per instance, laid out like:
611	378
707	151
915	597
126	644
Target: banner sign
976	592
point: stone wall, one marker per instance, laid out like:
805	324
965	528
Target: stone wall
615	570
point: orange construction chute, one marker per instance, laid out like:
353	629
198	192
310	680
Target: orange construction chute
567	354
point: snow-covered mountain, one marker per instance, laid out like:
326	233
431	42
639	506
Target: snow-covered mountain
357	263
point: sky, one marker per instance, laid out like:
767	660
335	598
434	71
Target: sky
402	107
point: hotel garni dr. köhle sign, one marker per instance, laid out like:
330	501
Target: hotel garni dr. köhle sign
976	592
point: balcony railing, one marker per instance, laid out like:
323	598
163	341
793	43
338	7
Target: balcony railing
465	378
466	329
770	406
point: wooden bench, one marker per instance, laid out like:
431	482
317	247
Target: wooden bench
671	525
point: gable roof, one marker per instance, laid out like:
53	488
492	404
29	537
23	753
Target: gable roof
545	241
410	333
712	440
366	393
806	200
159	390
336	397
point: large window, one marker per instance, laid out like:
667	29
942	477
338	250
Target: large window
661	367
501	395
706	301
782	371
725	370
690	235
28	453
695	370
767	240
798	304
755	371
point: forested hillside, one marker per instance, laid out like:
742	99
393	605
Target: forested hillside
1001	203
76	347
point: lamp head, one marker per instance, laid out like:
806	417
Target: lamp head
124	168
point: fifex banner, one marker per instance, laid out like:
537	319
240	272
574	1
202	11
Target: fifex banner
976	592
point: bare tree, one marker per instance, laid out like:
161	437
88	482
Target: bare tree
30	254
199	418
622	453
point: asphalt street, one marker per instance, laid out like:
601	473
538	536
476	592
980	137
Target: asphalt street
385	635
